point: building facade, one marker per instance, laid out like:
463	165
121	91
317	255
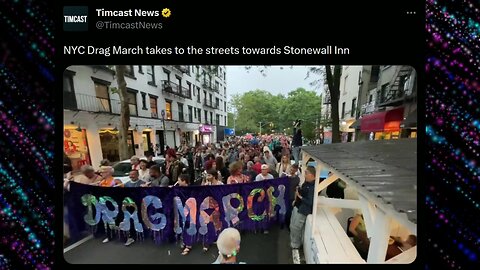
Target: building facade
375	102
347	102
388	103
169	105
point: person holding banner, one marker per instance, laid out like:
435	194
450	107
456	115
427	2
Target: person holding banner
135	181
107	173
157	179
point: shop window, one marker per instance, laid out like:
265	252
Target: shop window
76	147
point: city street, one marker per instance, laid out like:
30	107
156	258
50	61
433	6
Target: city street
272	248
186	145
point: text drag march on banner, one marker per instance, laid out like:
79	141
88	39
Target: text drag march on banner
197	214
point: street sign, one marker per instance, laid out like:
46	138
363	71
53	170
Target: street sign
163	113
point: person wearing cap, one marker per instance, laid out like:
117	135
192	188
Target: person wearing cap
228	244
265	175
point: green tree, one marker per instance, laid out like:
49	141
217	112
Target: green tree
304	105
276	112
230	121
254	107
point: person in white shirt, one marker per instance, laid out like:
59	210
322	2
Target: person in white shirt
265	174
182	159
135	161
143	172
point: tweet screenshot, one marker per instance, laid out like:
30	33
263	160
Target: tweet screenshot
202	133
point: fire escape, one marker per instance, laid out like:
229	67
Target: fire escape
401	87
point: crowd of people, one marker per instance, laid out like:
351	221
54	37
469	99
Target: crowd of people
237	160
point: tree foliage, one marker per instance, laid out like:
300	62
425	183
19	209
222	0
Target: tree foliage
328	76
277	112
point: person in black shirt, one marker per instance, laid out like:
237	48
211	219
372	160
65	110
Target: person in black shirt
304	206
294	184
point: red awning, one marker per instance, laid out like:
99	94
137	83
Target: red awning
388	121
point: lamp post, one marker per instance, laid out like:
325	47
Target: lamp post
264	123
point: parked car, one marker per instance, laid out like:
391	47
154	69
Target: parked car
122	168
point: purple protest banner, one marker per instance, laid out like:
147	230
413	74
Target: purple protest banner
195	214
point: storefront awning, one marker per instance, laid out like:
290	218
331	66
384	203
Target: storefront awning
356	124
411	121
388	121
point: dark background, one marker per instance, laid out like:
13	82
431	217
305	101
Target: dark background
377	32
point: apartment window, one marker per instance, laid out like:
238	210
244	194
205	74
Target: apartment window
345	85
168	109
206	117
195	113
140	70
225	105
190	116
205	96
198	69
151	74
210	80
132	102
211	117
383	92
180	111
224	75
103	99
225	91
217	86
217	119
167	72
199	115
210	96
217	102
354	101
189	88
343	109
179	79
370	99
375	74
153	106
144	101
129	71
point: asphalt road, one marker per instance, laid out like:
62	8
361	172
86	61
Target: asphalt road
256	248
